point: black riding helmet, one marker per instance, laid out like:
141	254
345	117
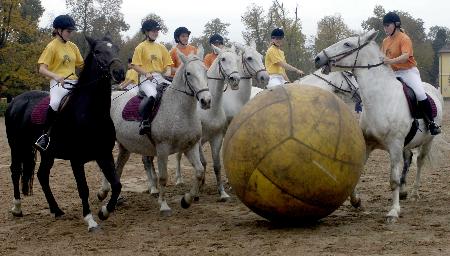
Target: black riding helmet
216	38
150	25
278	32
392	17
177	33
64	22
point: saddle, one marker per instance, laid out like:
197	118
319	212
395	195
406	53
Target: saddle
39	111
415	110
133	110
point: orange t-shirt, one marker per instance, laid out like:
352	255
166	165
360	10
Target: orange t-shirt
186	51
394	46
209	59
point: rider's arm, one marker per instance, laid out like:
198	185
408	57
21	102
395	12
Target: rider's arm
43	69
125	84
289	67
168	71
141	71
398	60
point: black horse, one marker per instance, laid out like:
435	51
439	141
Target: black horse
83	132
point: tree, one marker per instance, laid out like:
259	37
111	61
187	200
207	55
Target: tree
439	37
256	28
330	30
214	26
95	18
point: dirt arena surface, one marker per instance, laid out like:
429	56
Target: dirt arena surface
213	228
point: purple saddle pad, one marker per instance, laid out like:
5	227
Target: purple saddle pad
131	110
39	112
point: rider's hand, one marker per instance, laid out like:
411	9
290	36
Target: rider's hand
387	61
149	76
60	80
301	73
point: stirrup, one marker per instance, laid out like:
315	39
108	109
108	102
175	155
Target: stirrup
144	127
42	142
434	128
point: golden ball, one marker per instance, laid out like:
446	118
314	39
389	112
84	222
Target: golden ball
294	153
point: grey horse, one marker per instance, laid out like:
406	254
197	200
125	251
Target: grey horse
175	128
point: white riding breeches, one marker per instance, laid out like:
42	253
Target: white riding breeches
57	92
275	80
412	78
149	86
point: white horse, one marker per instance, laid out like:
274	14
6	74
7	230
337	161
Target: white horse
175	128
250	67
214	122
386	118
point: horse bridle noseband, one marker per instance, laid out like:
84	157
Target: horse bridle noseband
248	69
333	59
222	73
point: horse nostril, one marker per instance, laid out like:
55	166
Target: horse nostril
317	59
232	78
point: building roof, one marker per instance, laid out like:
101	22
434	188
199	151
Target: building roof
446	48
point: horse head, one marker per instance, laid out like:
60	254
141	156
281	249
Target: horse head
106	57
349	54
194	76
225	67
252	64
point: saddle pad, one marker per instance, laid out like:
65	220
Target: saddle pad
39	112
412	102
131	110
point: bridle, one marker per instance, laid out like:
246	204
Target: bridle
353	89
192	92
222	73
333	59
247	68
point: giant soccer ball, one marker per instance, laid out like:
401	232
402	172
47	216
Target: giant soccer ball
294	153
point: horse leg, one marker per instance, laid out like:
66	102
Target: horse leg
216	145
29	164
43	175
178	177
16	172
407	159
151	175
424	151
396	157
109	171
163	154
83	192
193	154
355	200
202	183
122	159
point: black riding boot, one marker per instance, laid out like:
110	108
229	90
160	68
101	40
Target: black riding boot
43	141
145	127
425	105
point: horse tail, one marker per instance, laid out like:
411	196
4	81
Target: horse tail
23	154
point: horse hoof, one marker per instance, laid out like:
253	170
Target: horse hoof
391	219
356	203
94	229
17	214
58	213
165	213
196	198
185	204
121	200
223	199
101	195
103	215
403	195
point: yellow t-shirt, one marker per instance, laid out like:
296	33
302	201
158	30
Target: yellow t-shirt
152	57
61	58
186	51
394	46
274	55
132	76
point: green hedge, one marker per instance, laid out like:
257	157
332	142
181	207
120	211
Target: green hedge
3	106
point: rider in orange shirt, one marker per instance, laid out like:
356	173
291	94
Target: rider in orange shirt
216	40
181	36
397	47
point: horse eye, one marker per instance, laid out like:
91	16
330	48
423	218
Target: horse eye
249	58
223	59
347	44
188	73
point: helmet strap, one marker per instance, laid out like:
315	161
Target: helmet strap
60	36
393	32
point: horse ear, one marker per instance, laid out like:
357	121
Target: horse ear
182	57
216	49
240	47
200	51
91	41
253	44
107	37
233	48
371	35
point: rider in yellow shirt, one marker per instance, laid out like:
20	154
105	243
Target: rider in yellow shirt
151	60
275	61
181	36
398	49
58	62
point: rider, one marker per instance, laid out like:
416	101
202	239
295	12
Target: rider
181	36
217	41
58	62
151	60
131	78
275	61
398	49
